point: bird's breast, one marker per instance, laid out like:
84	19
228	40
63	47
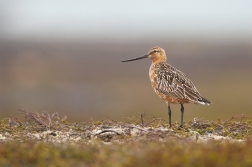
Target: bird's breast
153	74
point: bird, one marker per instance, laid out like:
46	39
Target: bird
171	84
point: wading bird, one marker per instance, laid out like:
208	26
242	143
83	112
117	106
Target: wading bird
170	84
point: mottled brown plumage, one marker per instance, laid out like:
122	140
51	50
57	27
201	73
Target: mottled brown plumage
170	84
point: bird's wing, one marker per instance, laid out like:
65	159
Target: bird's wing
174	83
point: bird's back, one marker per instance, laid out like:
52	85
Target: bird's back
173	86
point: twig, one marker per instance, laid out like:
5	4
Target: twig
113	120
48	117
15	120
32	115
154	119
56	115
162	124
105	131
141	116
242	116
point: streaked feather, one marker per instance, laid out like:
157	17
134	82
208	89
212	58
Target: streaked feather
173	83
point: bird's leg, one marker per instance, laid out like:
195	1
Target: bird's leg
169	113
182	115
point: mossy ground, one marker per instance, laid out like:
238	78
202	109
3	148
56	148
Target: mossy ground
47	140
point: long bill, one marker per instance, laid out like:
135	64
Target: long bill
137	58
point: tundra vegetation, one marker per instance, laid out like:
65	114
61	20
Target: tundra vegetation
48	139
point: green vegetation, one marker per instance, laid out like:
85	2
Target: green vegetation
45	139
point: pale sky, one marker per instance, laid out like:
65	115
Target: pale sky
113	20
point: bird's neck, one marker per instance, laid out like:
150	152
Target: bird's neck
155	61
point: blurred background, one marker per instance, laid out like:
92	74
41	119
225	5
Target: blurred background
65	56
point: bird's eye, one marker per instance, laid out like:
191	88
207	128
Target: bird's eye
154	51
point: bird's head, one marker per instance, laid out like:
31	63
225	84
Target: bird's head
156	54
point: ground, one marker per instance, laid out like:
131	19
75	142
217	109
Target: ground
44	139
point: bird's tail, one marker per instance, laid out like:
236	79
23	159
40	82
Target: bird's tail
204	101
